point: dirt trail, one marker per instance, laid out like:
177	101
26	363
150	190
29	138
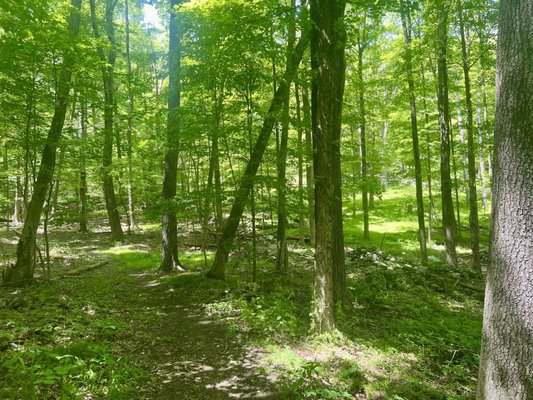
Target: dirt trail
188	354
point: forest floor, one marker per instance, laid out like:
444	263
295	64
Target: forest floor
104	325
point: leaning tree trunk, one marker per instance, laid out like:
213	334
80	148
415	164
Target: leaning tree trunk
506	367
327	55
22	272
407	32
243	192
448	217
170	259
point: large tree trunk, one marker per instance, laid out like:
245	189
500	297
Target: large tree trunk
22	272
327	55
506	367
448	217
170	259
472	190
243	192
407	31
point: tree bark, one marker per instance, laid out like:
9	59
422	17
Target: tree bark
170	259
362	133
282	258
22	272
472	189
506	366
243	192
327	58
407	32
108	73
129	130
448	217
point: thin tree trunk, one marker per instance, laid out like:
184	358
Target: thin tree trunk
362	132
282	258
406	23
129	130
448	217
472	189
109	117
170	257
241	196
83	172
22	272
310	180
299	128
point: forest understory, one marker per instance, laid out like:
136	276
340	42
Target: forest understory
104	324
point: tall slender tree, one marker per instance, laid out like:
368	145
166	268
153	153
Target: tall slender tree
448	216
108	73
170	259
22	272
328	40
472	189
407	33
506	365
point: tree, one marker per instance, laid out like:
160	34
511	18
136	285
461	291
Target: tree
171	260
217	271
327	58
472	190
407	32
506	366
108	74
448	216
22	272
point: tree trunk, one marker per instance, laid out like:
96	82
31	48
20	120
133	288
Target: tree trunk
129	130
83	172
241	196
407	32
282	258
109	115
362	133
327	58
472	190
506	366
170	259
310	181
22	272
300	150
448	217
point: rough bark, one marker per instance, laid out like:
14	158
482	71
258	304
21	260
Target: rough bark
407	32
170	260
243	192
327	58
506	366
310	181
448	216
22	272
